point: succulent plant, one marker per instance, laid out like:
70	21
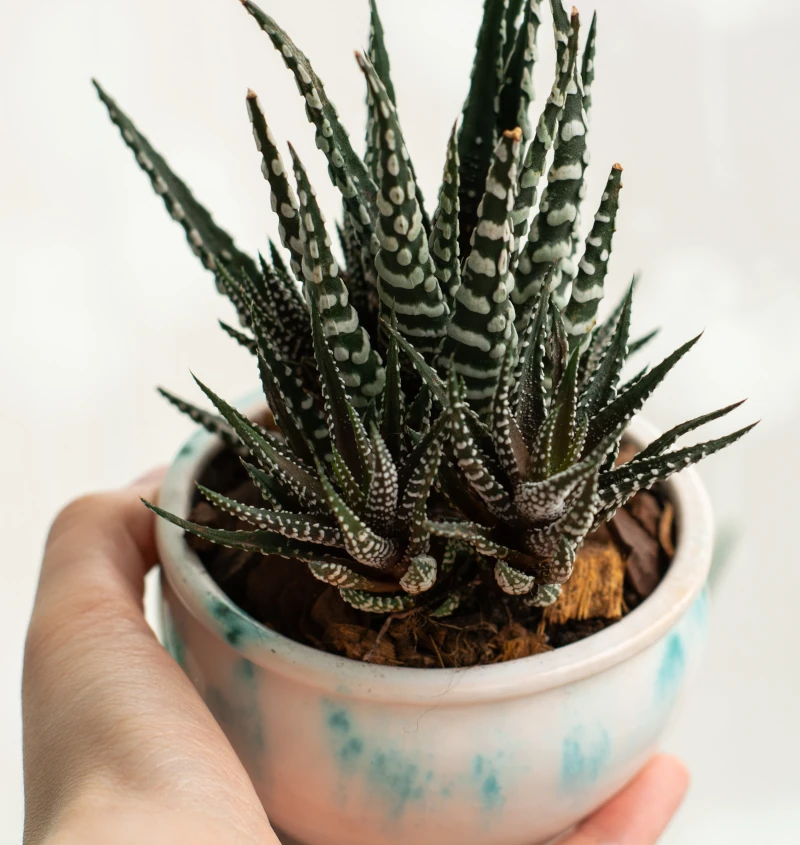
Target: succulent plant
486	312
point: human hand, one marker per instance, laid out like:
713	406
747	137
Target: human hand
118	746
120	749
639	814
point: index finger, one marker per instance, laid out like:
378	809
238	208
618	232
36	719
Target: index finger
99	549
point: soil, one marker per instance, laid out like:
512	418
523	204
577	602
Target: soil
617	568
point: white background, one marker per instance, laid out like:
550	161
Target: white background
101	299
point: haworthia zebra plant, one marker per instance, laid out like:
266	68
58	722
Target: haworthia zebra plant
486	311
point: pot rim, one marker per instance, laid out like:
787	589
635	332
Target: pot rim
339	675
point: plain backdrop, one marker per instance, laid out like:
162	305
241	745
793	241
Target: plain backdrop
101	299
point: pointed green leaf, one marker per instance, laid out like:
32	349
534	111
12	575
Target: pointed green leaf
443	244
476	138
282	410
271	455
516	91
277	259
568	532
601	337
359	365
379	58
381	504
587	66
372	603
348	173
448	607
472	462
430	377
359	275
580	314
293	407
337	405
513	10
507	440
630	402
554	229
418	417
232	288
661	444
377	51
282	195
407	285
619	485
602	388
482	324
340	575
546	594
287	305
353	495
240	337
546	500
467	532
413	511
262	542
529	377
511	580
475	536
420	575
361	542
533	164
210	422
413	464
558	345
640	342
207	240
290	525
564	409
393	406
277	493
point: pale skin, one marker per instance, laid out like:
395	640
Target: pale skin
119	748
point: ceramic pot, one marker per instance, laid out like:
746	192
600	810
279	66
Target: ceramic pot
347	753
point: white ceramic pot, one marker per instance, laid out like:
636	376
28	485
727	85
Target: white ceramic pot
347	753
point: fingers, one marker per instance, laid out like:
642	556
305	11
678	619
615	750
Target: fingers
101	546
105	708
639	814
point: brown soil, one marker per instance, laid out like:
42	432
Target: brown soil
618	567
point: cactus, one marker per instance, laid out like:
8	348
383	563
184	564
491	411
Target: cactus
444	396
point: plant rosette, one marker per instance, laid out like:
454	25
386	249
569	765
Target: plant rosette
343	752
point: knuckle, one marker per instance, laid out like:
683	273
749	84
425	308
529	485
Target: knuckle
79	510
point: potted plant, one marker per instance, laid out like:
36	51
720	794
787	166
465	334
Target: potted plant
422	587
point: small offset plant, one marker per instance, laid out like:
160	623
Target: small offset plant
486	313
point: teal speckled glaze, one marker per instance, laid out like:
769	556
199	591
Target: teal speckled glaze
187	450
391	775
585	753
490	793
699	611
233	627
342	752
237	710
671	670
399	778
